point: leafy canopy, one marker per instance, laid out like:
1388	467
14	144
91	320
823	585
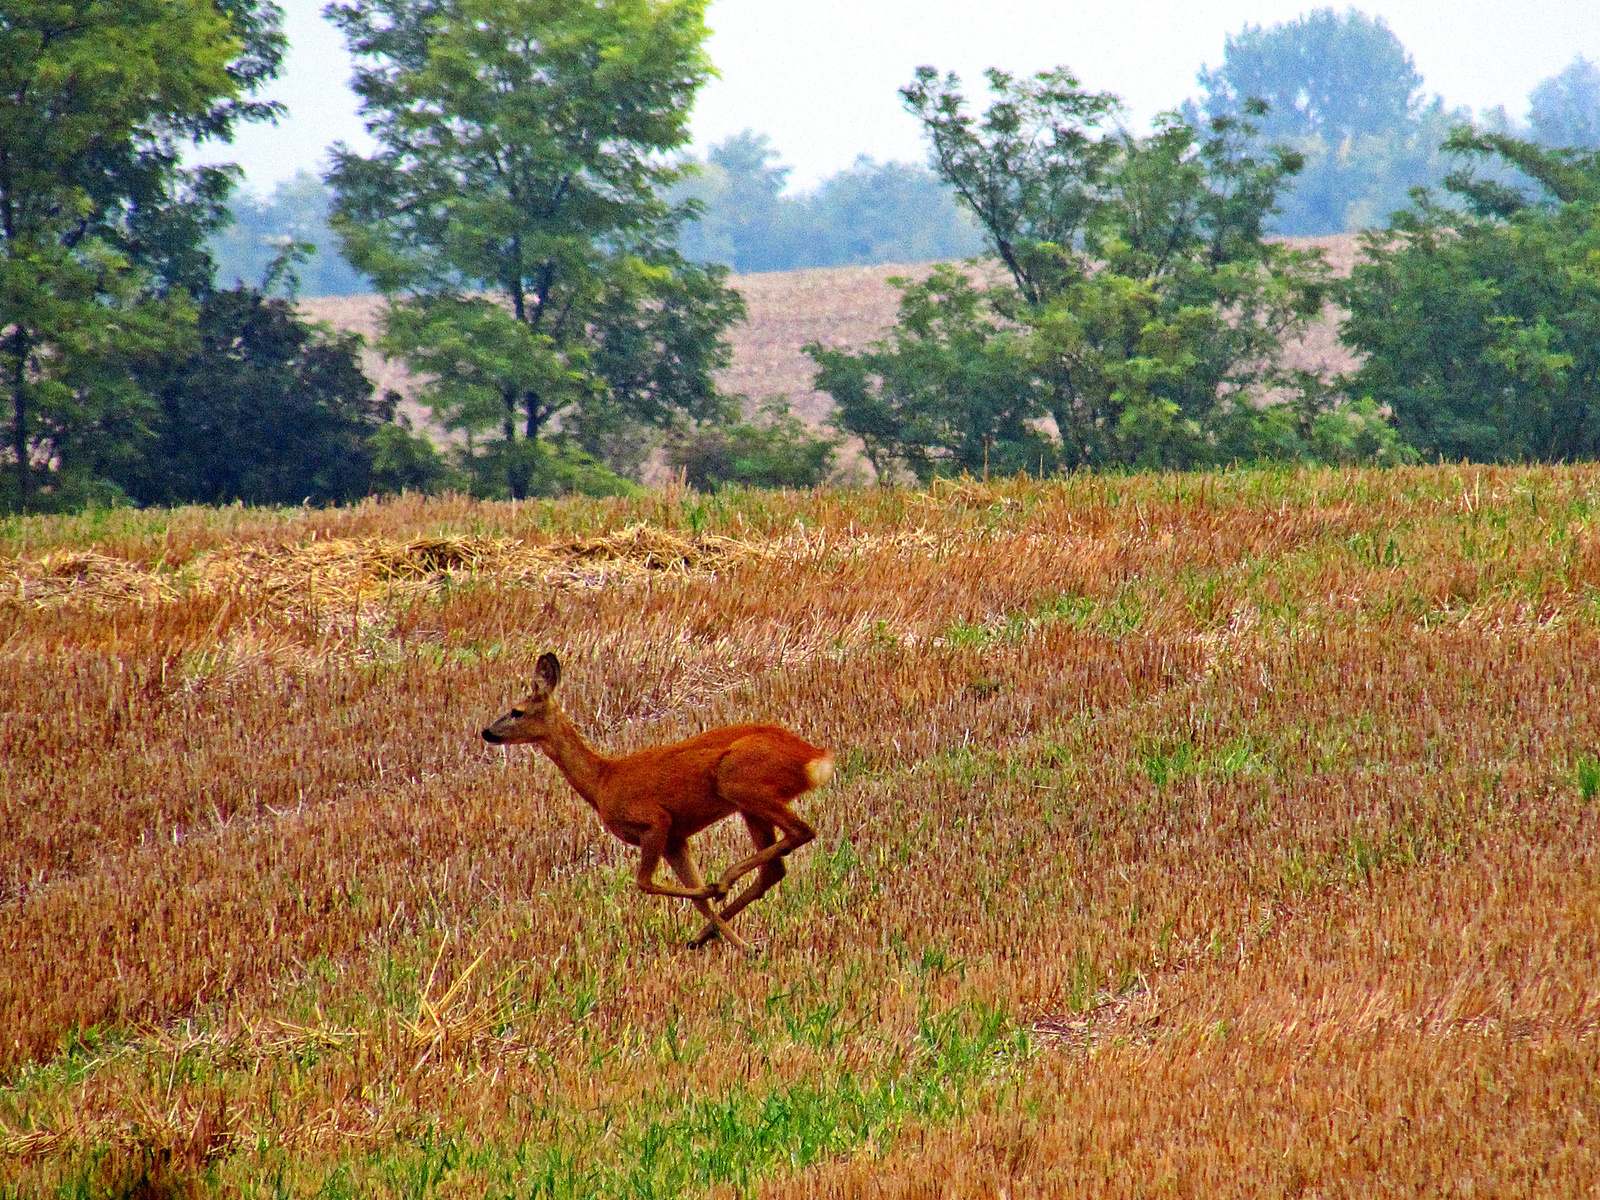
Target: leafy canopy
1132	314
101	228
1324	74
774	451
264	409
1342	92
1564	110
1480	321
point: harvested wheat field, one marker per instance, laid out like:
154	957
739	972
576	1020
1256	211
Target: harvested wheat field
1222	835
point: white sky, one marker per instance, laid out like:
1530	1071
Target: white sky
821	77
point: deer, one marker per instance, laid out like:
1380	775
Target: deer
660	797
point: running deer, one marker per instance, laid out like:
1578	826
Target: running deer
657	799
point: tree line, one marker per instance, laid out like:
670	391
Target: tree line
1140	315
517	218
869	213
555	271
1342	92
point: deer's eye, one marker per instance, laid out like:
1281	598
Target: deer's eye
518	713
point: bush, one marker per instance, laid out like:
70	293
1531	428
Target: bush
267	409
503	470
778	451
1480	326
406	461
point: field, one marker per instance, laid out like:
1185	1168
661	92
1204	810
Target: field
1194	835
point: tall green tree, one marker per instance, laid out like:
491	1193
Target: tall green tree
1479	320
264	409
1343	93
1143	310
513	217
1564	110
101	228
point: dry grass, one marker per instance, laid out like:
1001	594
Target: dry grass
1193	835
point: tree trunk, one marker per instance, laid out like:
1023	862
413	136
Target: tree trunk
535	415
518	472
19	417
508	423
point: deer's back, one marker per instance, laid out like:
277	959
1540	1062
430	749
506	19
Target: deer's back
701	778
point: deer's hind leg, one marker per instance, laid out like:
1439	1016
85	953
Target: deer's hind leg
762	834
773	812
683	865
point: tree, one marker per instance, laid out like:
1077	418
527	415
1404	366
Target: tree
1479	322
1143	313
1565	109
513	217
1322	75
1343	93
949	390
258	230
100	226
266	409
868	213
743	221
874	212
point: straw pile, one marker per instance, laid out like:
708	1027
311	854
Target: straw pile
342	570
65	577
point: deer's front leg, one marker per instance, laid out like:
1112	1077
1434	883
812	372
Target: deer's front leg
652	846
678	858
762	835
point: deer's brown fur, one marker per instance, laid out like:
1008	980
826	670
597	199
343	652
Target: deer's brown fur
657	799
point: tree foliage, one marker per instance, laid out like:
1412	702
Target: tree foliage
776	450
264	409
1136	307
1343	93
868	213
101	228
949	390
1323	74
1564	110
1480	321
513	216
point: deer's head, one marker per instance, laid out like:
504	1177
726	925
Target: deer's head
532	719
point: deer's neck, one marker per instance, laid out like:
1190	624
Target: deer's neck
576	759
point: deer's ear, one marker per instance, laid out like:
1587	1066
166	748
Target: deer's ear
546	673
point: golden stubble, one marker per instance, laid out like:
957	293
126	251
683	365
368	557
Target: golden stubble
1261	807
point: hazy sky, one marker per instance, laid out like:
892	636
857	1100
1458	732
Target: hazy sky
820	77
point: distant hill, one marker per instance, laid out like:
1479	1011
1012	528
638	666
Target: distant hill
837	306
